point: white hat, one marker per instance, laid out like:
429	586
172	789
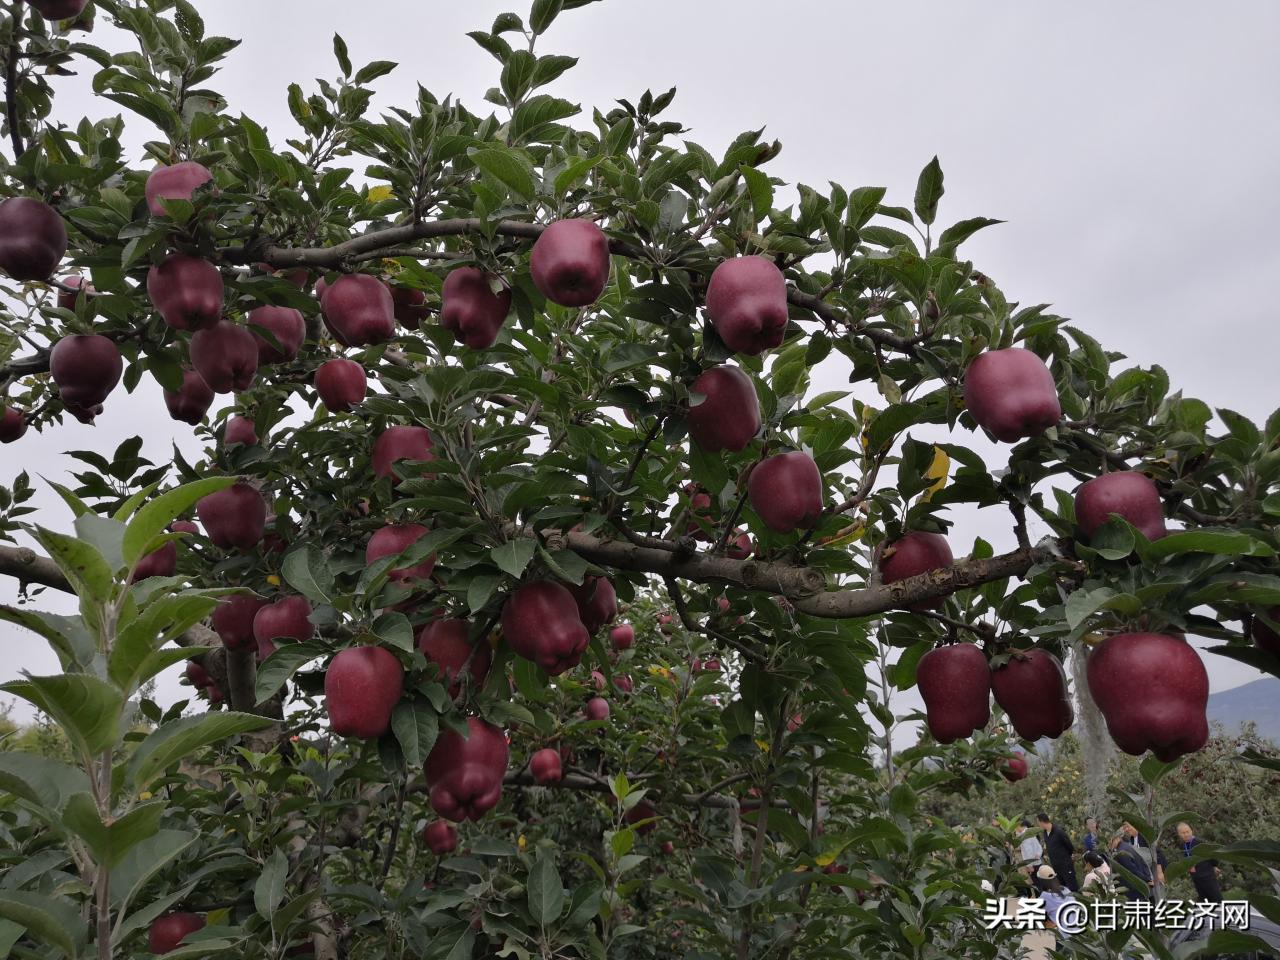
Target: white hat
1047	872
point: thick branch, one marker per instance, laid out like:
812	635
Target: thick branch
28	566
11	82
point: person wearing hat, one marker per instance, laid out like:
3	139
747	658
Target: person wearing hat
1053	895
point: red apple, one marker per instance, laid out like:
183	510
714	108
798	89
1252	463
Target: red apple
545	766
470	310
440	837
597	602
712	666
197	674
1128	493
67	298
740	547
59	10
955	684
33	239
298	276
569	263
623	682
1014	768
234	517
598	681
1012	394
183	526
622	636
287	618
1032	690
84	414
176	182
341	384
666	623
597	708
226	355
445	643
286	325
358	310
86	368
747	304
160	562
728	417
167	932
361	688
465	775
186	291
409	306
394	539
916	553
1152	689
232	620
1264	636
13	424
540	621
400	443
786	491
192	402
643	810
240	430
668	848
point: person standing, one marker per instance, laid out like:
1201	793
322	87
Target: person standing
1205	875
1058	850
1091	838
1030	852
1131	844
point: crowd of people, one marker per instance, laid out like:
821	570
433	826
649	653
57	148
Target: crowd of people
1046	857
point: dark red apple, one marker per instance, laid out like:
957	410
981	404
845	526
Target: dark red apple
747	304
86	368
298	276
597	602
1264	636
358	310
240	430
167	932
409	306
400	443
598	681
234	517
84	414
183	526
13	424
712	666
597	708
226	355
197	674
33	239
1128	493
1152	689
622	636
192	402
341	384
440	837
545	766
786	491
186	291
470	310
1032	690
1012	394
232	620
160	562
541	623
643	810
465	775
67	298
569	263
288	618
445	643
668	848
59	9
955	684
1014	768
728	417
361	688
916	553
286	325
740	547
623	682
393	540
174	182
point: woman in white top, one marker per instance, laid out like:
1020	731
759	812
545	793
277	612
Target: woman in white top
1099	874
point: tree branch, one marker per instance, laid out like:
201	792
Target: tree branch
11	82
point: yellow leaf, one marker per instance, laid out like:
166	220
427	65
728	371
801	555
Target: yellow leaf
273	580
825	859
522	842
215	918
380	193
763	745
937	472
145	795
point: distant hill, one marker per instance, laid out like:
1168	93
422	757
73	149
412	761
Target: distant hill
1258	701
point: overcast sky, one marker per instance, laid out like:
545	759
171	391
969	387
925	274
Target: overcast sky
1132	148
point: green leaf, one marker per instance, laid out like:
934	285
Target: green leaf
1229	542
514	555
506	169
416	726
575	171
536	116
147	858
83	566
372	71
43	781
110	843
151	519
760	189
395	629
546	892
67	635
307	571
283	664
929	191
180	738
543	13
160	621
268	892
86	708
104	535
340	51
52	920
957	233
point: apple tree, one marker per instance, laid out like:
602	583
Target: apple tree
537	594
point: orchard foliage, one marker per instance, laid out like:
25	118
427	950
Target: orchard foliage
555	421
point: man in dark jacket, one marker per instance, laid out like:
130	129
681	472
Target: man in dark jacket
1126	856
1059	851
1205	874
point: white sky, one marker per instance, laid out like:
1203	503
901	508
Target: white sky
1132	148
